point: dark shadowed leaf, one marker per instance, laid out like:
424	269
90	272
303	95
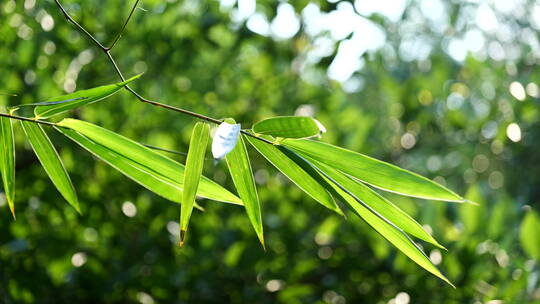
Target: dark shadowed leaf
192	173
372	171
7	161
51	162
288	127
472	215
529	236
81	98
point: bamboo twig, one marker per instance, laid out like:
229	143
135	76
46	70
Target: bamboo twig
107	51
124	26
43	122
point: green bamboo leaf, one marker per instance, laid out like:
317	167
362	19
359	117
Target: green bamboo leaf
289	127
192	173
472	215
378	203
528	234
60	104
295	173
133	170
7	161
372	171
383	226
51	162
48	103
394	236
151	161
242	176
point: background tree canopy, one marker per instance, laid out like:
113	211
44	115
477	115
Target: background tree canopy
448	90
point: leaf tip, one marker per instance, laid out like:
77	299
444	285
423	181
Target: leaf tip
339	211
434	242
78	208
445	279
199	207
439	245
182	237
470	202
127	81
261	239
12	209
64	122
450	283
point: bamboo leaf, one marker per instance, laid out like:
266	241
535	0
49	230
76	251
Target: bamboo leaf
60	104
383	226
7	161
528	234
48	103
151	162
394	236
242	176
135	171
295	173
472	215
372	171
289	127
378	203
51	162
192	173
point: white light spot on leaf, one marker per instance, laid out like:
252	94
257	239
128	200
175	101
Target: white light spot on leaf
486	18
173	228
129	209
257	23
2	199
225	139
47	23
435	256
78	259
496	180
29	4
391	9
408	141
70	85
145	298
305	110
274	285
513	131
517	90
402	298
245	9
90	234
325	252
286	24
532	90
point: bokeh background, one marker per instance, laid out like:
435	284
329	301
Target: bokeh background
448	89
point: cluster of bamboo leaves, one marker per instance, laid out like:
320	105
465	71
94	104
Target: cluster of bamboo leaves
327	173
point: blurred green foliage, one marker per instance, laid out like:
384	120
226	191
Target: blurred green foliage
449	119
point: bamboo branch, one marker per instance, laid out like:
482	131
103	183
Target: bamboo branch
107	51
43	122
124	26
